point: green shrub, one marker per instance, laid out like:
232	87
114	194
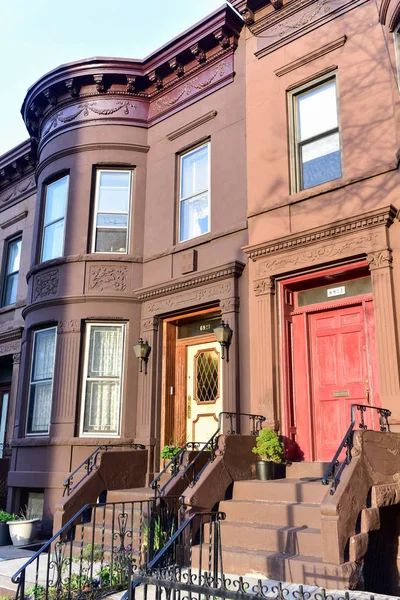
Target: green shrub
268	446
5	516
168	452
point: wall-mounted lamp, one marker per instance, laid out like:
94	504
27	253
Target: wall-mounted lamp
223	333
142	350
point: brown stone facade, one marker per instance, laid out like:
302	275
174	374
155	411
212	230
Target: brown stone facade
228	83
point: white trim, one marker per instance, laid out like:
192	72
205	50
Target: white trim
3	421
42	433
57	220
129	213
98	434
182	199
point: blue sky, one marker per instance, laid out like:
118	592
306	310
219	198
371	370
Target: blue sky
37	36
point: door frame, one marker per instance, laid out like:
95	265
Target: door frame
287	289
174	373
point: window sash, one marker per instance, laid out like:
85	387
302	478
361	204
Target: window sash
100	210
297	144
41	385
10	276
196	195
48	226
102	391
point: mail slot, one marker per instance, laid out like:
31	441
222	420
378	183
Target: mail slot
341	393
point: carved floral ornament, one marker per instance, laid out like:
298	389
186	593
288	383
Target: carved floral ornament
69	326
378	260
18	190
11	348
112	279
46	285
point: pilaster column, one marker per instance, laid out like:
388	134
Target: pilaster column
230	370
263	358
12	402
148	385
66	371
380	264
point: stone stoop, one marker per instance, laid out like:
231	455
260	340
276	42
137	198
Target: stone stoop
274	528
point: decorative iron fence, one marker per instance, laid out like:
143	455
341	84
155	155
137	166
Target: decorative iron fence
92	555
90	464
192	472
173	466
336	467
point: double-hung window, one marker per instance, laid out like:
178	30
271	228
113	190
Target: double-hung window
54	219
194	193
315	139
112	211
12	260
41	383
101	398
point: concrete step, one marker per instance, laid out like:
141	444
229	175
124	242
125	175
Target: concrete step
297	470
272	538
299	569
130	495
272	513
287	490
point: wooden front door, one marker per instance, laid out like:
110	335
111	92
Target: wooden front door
341	368
204	391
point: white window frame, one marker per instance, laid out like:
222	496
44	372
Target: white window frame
57	220
182	199
85	378
96	205
41	433
396	39
7	245
296	183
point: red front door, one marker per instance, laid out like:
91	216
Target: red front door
341	372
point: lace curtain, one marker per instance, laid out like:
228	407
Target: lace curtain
42	381
103	383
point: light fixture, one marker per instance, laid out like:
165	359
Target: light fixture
223	333
142	350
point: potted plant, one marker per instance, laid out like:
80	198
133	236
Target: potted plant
168	453
270	450
5	517
23	529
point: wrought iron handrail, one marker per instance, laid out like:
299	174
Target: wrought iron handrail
178	551
334	471
91	554
211	446
173	467
90	464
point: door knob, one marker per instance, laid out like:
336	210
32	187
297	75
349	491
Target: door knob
367	395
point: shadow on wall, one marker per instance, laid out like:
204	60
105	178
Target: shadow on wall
381	563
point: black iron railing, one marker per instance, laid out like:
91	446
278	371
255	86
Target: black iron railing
336	467
193	471
92	555
173	467
91	464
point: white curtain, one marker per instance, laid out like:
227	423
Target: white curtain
42	381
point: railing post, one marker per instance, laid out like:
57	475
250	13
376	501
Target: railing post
21	587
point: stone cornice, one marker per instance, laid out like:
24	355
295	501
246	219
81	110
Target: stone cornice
233	269
120	88
15	165
306	58
11	336
380	217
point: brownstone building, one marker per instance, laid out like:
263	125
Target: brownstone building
247	171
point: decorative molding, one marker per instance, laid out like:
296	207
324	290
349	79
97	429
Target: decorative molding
69	326
45	285
295	19
261	287
384	216
360	245
19	190
377	260
205	294
108	278
229	305
14	220
234	269
10	348
151	324
306	58
17	358
192	125
11	335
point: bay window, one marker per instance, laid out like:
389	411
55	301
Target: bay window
314	135
194	193
112	211
101	395
41	382
56	196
